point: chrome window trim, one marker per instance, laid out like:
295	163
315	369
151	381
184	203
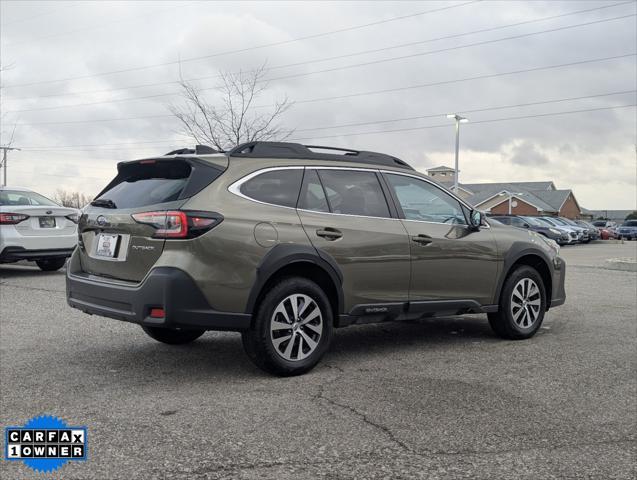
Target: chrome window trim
236	186
347	215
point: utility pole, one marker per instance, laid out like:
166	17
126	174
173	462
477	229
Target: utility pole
4	163
458	120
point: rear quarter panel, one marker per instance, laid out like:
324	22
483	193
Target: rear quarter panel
224	261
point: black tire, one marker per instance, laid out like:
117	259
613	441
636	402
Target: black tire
503	323
173	336
258	341
51	265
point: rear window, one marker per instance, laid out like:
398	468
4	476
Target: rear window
17	197
630	223
140	184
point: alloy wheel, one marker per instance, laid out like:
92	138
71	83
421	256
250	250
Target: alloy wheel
526	303
296	327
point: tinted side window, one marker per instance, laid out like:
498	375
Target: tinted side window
312	194
505	220
517	222
279	187
420	200
354	193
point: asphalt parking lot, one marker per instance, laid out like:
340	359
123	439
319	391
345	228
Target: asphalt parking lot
438	398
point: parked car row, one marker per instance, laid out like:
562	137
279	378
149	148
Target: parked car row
562	230
610	230
628	230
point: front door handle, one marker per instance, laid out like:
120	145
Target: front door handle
422	239
329	233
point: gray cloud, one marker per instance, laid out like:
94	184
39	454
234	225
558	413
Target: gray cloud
84	38
528	154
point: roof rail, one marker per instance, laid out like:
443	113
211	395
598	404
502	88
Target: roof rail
198	150
298	151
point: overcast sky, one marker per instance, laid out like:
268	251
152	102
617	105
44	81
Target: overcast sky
56	55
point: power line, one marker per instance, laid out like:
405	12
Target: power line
101	25
246	49
38	15
374	62
143	117
430	52
464	111
446	125
424	85
465	79
345	124
324	59
74	177
149	142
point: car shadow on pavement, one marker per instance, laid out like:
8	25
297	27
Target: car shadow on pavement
21	271
220	355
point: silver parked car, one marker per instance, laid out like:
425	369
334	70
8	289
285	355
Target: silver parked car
35	228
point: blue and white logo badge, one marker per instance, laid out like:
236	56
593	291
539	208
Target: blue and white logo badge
45	443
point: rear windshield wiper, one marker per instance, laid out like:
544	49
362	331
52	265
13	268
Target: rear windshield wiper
104	202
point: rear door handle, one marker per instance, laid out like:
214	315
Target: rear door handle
329	233
422	239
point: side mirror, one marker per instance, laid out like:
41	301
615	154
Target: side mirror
526	225
475	220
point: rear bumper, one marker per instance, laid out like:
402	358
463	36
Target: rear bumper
164	287
10	236
15	254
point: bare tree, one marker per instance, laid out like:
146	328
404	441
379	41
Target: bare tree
71	199
233	118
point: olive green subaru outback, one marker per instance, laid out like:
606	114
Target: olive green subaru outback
285	242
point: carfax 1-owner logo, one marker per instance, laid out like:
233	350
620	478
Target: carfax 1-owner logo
45	443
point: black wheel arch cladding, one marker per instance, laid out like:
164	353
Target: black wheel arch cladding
518	251
286	255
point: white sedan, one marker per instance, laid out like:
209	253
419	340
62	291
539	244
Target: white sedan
35	228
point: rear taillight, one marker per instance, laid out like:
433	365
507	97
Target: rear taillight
74	217
12	218
179	223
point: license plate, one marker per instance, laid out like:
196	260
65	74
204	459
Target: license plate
106	245
47	222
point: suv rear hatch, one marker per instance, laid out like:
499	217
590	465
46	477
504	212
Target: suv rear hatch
122	233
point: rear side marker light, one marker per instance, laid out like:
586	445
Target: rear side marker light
12	218
179	223
157	313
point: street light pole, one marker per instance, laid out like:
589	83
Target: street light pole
458	119
4	163
510	195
